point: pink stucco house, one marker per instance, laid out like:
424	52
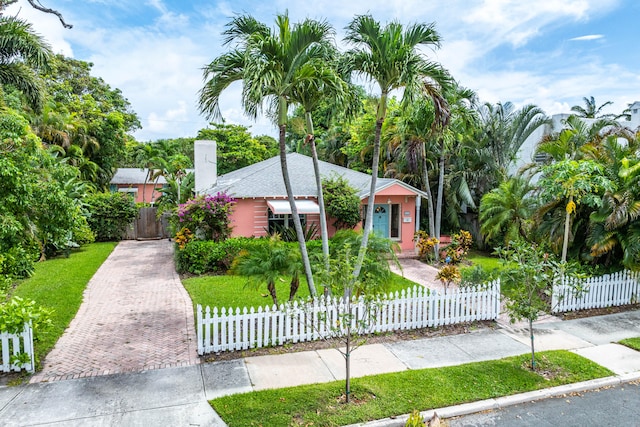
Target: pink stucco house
135	181
262	201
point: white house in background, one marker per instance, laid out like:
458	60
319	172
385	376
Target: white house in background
526	154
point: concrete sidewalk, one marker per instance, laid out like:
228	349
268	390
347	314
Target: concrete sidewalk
178	396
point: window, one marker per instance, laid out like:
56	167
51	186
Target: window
279	221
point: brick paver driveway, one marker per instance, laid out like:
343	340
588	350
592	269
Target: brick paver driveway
136	315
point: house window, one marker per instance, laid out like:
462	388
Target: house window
277	222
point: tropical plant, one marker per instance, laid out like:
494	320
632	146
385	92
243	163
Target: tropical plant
271	65
591	110
447	275
390	57
22	54
267	263
506	211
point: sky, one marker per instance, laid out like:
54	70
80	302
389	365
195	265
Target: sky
549	53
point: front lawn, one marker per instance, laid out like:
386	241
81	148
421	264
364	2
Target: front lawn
484	259
381	396
233	291
58	284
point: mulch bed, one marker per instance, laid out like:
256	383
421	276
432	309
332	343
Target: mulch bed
597	311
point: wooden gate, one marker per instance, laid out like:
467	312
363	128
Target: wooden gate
148	226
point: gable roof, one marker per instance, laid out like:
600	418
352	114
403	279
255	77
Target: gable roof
264	179
134	176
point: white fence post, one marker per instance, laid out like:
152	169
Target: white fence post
15	344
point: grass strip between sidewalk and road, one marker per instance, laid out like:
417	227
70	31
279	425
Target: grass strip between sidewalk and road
58	284
381	396
633	343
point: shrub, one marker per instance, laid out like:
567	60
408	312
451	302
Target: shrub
341	202
459	248
207	216
425	244
110	214
207	256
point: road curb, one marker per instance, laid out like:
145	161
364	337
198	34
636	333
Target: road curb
502	402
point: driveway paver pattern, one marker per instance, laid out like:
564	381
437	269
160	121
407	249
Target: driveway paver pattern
135	316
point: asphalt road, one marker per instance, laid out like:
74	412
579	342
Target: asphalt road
614	406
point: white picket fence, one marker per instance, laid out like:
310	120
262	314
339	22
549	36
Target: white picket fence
610	290
241	329
13	345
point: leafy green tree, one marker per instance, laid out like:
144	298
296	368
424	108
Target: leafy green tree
89	113
527	276
22	54
236	147
270	64
390	57
570	183
342	202
38	215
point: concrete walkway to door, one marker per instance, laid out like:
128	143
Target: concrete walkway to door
135	316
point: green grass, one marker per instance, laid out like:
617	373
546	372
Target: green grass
484	259
233	291
633	343
58	284
382	396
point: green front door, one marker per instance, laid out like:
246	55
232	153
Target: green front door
381	220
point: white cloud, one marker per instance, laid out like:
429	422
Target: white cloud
588	37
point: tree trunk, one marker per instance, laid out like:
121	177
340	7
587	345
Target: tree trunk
427	189
368	226
347	362
324	232
438	219
272	291
293	288
294	211
567	229
533	353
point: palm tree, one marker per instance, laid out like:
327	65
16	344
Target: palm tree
591	109
507	210
271	66
322	82
22	54
615	228
504	130
390	57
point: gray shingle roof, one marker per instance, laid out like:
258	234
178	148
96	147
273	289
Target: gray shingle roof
133	176
264	179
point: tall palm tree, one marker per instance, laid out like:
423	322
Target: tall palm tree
591	110
271	65
22	54
390	57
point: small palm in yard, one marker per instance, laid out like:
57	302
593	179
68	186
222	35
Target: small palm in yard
268	263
